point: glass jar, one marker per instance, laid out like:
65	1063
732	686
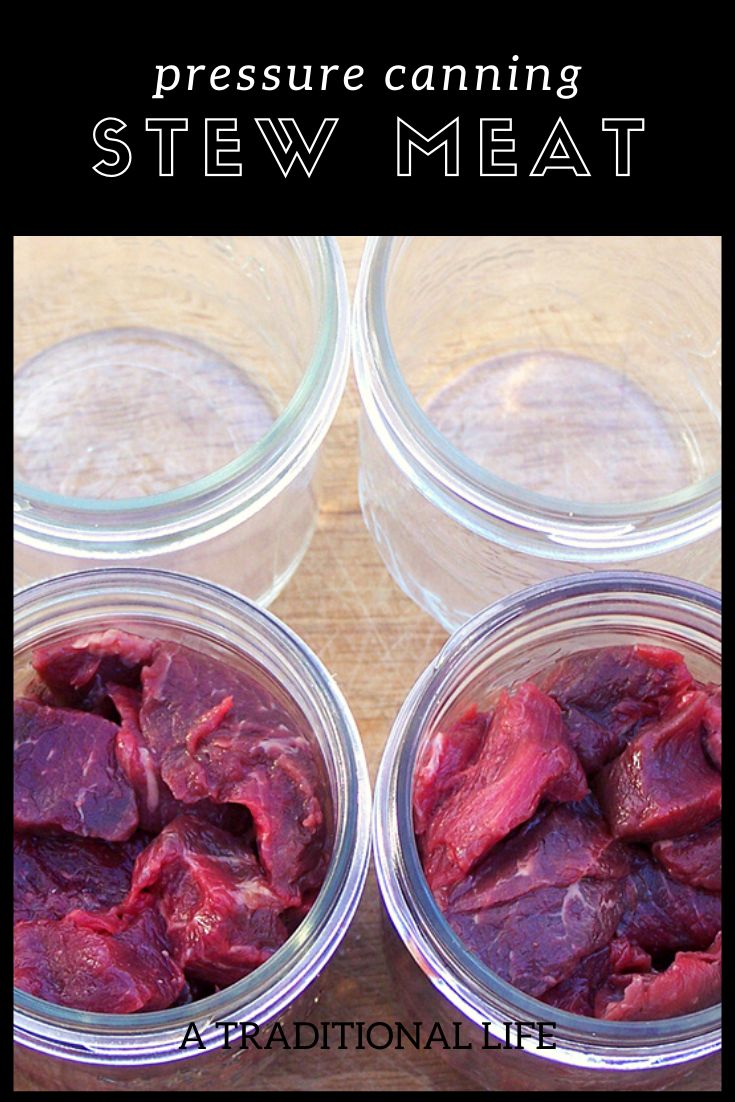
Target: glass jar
171	394
535	407
62	1049
511	641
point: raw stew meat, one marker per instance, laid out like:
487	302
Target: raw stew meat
571	834
170	824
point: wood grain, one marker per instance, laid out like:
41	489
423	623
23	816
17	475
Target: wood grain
376	642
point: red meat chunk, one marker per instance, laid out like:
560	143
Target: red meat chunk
221	916
662	784
280	789
443	757
605	693
98	963
538	941
183	688
593	743
690	983
559	846
247	751
79	670
66	776
663	915
525	756
56	874
156	804
693	859
626	956
713	726
576	994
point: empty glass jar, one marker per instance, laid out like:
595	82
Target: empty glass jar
538	406
171	394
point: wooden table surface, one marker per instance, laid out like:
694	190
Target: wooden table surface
376	642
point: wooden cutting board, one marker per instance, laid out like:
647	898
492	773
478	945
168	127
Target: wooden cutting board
376	642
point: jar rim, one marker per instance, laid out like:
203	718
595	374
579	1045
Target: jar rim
215	502
477	497
454	970
153	1037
